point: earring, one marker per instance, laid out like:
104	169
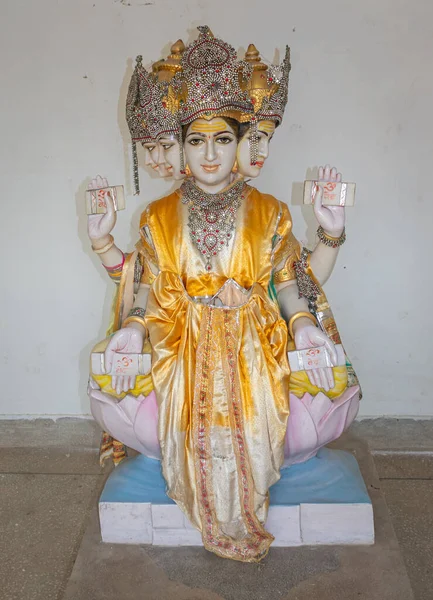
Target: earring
187	171
235	167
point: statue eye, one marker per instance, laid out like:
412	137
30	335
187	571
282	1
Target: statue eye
195	141
224	140
167	146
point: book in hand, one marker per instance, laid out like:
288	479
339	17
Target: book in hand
315	358
123	364
96	200
335	193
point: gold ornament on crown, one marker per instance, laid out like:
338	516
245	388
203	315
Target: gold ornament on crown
152	105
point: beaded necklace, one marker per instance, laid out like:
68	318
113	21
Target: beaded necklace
211	217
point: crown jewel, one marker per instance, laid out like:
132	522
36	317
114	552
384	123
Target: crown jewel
210	84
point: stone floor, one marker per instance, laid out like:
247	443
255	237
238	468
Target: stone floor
49	543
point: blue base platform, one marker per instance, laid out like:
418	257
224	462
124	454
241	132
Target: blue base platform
331	477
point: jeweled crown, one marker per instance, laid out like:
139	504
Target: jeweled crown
268	85
151	104
210	83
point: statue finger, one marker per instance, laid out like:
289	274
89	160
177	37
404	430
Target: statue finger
333	174
327	172
323	380
330	377
119	385
332	351
311	377
109	203
320	173
316	377
317	203
339	177
113	382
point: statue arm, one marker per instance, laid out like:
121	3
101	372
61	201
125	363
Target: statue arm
304	330
99	229
322	261
332	220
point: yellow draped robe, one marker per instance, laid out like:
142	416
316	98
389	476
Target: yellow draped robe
220	374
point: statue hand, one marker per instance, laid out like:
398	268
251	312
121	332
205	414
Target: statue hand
100	226
331	218
308	335
129	340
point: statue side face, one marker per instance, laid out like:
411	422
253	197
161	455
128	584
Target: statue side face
210	150
154	158
171	149
265	132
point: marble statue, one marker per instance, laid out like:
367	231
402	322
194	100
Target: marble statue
219	290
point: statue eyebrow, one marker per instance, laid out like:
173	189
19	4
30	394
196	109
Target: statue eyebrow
205	135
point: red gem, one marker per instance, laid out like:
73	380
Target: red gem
197	84
205	230
198	240
217	231
214	253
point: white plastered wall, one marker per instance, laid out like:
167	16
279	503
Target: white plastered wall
361	95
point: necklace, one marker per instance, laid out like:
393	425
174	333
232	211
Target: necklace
211	217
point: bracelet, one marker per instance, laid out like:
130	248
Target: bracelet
298	316
116	268
135	315
134	320
104	248
332	242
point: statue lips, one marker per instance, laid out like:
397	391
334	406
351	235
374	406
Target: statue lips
210	168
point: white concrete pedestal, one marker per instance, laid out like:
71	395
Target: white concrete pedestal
303	524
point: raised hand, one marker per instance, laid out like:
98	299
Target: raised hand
309	336
100	226
331	218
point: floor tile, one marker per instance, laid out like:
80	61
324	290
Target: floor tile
395	434
411	506
77	433
50	460
404	466
41	525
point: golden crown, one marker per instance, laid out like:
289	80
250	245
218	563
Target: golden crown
210	83
268	85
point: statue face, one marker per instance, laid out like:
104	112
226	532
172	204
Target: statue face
170	147
265	132
154	158
210	151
